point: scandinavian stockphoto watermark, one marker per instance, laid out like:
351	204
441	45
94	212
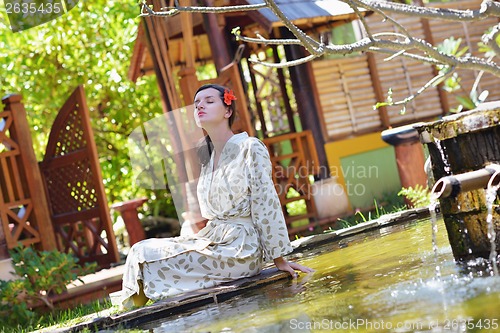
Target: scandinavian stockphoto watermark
25	14
355	178
164	155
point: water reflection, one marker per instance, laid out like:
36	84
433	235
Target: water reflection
381	283
243	306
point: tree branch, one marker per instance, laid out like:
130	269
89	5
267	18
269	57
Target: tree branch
286	63
388	18
490	39
171	11
396	44
431	83
265	41
309	44
488	8
361	18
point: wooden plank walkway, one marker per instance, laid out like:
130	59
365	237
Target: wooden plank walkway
94	287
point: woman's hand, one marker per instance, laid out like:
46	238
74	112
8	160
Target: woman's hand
291	267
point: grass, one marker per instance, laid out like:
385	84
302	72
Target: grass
389	203
60	318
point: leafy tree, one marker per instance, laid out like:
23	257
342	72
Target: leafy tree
90	45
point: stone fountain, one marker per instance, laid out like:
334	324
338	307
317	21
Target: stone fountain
465	152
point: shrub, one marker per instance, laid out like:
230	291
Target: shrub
41	274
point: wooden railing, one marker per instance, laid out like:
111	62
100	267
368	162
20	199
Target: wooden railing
24	215
294	160
59	203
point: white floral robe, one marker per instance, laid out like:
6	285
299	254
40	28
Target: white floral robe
246	227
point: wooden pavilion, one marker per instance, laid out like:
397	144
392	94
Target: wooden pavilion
317	116
172	48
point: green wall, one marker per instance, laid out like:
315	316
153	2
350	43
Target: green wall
370	175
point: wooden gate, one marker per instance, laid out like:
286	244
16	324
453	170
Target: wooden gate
74	187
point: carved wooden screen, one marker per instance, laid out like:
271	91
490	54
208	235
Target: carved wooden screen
74	187
294	159
24	218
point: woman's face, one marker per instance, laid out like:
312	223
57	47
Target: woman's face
209	108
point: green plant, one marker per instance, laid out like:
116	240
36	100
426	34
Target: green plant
418	196
297	207
452	83
379	209
41	275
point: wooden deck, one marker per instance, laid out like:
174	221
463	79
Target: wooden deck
95	286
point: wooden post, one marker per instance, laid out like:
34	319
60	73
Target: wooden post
443	96
286	100
307	100
128	211
258	105
188	82
216	38
377	88
29	172
4	250
156	40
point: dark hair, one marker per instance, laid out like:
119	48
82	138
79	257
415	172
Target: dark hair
204	151
221	90
205	146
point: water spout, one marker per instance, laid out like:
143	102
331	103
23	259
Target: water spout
465	157
451	186
491	195
494	181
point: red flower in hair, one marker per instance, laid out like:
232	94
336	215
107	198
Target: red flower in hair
229	97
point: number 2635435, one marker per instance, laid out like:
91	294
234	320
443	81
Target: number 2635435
33	8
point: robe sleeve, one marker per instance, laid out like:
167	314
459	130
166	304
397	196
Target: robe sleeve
266	211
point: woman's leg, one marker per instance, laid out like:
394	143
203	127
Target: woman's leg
140	299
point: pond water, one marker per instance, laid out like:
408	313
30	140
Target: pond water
382	282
